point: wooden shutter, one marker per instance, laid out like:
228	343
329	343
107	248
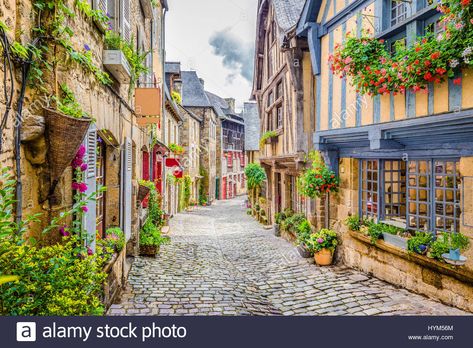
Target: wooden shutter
89	221
126	187
125	22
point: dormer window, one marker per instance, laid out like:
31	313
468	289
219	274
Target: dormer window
398	11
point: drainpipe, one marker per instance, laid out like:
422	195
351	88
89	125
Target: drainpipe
163	103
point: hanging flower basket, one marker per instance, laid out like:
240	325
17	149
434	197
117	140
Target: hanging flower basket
64	136
142	192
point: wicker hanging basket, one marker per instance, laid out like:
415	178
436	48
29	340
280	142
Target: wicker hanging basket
142	192
64	136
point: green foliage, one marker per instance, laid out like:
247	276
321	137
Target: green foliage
68	104
203	186
420	242
375	231
374	70
136	59
304	230
84	7
255	175
265	136
53	280
438	247
150	234
187	190
7	278
249	211
155	213
176	97
354	222
176	149
323	239
292	223
4	27
318	180
116	238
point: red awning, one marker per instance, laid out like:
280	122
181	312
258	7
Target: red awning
177	169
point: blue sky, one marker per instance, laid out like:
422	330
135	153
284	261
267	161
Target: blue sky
215	38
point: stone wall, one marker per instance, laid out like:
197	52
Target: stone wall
111	108
425	276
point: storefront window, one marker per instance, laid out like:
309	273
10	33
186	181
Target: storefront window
369	188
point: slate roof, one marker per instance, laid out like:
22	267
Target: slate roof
219	104
252	126
193	93
288	13
172	67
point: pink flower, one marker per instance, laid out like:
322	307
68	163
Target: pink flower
85	209
89	251
75	185
63	232
83	167
459	25
81	151
348	60
320	240
76	163
82	187
471	21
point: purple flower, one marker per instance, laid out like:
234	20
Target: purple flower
83	167
76	163
320	240
89	251
85	209
63	232
86	47
81	151
75	185
82	187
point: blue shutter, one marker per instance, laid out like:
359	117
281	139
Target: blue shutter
126	187
90	223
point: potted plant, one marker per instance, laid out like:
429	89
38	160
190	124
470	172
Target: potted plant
268	138
176	149
143	189
420	243
304	230
394	235
322	244
150	239
278	219
318	180
456	243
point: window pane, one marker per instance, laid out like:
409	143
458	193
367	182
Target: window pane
369	188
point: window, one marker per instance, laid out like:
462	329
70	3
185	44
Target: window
398	11
425	193
369	188
270	99
395	190
280	116
279	90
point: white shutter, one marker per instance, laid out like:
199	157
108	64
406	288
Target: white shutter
126	187
125	22
90	223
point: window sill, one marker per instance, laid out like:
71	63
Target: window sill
396	29
462	274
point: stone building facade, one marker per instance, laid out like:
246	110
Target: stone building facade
404	159
115	140
278	91
195	100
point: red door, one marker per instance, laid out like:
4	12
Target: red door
224	188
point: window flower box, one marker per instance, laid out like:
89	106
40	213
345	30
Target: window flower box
395	240
116	63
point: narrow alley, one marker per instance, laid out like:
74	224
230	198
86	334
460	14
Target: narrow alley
222	262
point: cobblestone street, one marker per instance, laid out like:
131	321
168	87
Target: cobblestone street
222	262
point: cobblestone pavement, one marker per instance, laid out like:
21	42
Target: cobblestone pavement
222	262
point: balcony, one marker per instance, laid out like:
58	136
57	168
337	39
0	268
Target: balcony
116	63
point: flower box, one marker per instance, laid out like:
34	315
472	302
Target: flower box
272	140
395	240
116	63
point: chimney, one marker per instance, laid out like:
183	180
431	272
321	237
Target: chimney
177	86
202	82
231	103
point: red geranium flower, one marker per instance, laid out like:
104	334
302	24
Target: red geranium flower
457	81
435	55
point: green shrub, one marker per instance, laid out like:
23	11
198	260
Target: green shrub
53	280
150	234
354	222
255	175
438	247
420	242
324	239
304	230
291	224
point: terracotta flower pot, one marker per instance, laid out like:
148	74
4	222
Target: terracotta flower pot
323	257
